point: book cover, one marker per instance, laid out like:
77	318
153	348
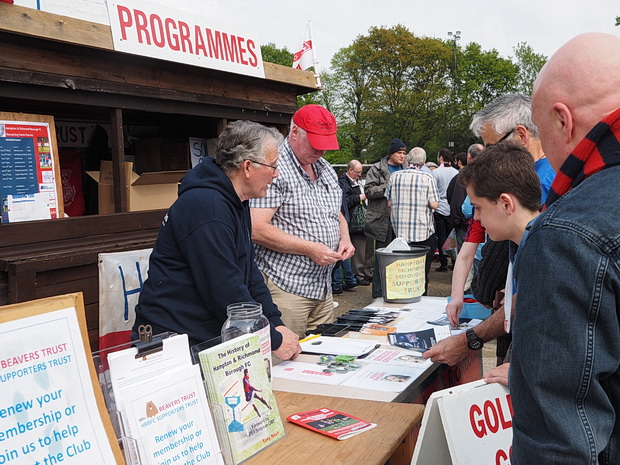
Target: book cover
377	329
331	423
241	398
419	341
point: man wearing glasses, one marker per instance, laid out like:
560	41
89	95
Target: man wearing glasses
203	259
298	228
508	118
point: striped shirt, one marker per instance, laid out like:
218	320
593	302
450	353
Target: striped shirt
306	209
410	192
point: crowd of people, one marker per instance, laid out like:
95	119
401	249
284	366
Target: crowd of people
267	220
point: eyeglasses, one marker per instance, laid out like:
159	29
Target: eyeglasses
358	172
504	137
273	167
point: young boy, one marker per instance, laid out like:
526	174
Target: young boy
505	191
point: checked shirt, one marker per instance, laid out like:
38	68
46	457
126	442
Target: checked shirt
409	192
306	209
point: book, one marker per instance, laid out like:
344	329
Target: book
331	423
239	391
377	329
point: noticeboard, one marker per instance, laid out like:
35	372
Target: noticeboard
30	182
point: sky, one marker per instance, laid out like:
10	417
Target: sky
543	24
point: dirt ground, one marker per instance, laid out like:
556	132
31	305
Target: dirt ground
440	285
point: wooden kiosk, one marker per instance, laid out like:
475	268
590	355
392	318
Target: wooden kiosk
67	68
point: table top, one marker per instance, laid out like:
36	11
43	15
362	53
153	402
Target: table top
300	445
428	308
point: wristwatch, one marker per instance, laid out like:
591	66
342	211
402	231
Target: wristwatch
473	341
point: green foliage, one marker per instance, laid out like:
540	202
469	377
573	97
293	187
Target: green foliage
617	20
280	56
529	64
391	83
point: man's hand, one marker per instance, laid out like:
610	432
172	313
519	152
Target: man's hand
346	249
498	374
453	310
322	255
290	348
449	351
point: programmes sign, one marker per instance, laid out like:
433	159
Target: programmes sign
143	28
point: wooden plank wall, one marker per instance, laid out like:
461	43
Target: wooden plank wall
62	257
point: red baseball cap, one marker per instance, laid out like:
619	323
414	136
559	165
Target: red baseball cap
320	126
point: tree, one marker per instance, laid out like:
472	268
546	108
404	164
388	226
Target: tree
280	56
387	84
529	64
617	20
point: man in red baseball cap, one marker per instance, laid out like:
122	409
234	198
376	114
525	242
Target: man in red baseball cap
298	227
320	126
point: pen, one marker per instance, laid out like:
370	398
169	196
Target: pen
314	336
370	352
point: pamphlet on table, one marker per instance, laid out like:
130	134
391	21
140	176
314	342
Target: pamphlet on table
332	423
383	377
309	373
419	341
399	357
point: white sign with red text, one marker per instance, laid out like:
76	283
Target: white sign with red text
149	29
466	424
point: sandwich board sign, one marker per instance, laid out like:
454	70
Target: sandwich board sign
470	423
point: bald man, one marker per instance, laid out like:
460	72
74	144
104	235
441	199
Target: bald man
565	373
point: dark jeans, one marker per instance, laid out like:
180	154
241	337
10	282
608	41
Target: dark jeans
349	277
442	230
377	288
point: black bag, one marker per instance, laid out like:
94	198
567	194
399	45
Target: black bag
357	223
492	272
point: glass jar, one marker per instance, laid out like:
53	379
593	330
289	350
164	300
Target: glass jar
245	318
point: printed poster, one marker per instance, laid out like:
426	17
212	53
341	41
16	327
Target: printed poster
28	184
48	407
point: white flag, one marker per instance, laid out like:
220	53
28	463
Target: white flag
304	58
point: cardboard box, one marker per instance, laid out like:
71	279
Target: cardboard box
149	191
158	154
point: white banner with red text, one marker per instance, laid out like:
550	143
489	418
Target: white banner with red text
148	29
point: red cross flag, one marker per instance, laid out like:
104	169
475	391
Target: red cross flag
304	58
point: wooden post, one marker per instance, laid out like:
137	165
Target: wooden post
118	161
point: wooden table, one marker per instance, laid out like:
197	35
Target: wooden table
393	439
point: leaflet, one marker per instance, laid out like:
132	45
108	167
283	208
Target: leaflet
383	377
308	372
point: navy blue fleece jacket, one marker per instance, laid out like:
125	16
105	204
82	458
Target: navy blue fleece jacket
203	261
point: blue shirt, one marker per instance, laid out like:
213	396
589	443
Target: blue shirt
546	175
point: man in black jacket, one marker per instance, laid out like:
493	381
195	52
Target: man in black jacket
353	195
203	259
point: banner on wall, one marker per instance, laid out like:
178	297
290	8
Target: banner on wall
121	276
